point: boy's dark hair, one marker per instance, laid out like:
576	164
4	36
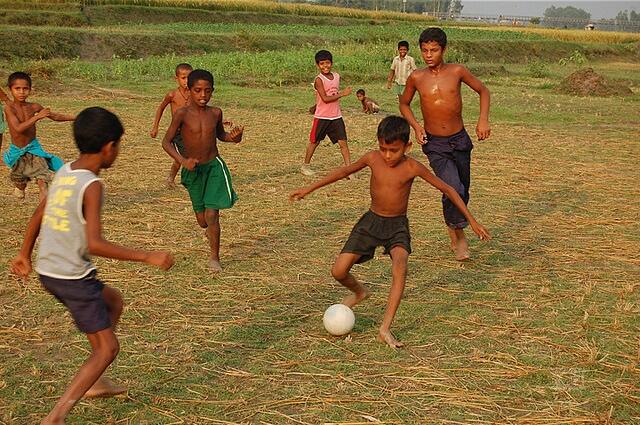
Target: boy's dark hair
403	43
18	76
183	67
324	55
360	91
197	75
394	128
433	34
95	127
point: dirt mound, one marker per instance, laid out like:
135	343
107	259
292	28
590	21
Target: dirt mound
586	82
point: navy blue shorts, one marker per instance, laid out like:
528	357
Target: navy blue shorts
83	298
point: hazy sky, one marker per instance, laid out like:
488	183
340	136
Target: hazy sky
598	9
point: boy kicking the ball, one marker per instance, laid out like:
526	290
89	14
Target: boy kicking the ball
385	224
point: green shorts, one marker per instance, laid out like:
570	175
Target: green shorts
398	89
30	167
209	185
3	126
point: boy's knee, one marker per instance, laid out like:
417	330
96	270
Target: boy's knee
109	349
338	272
201	220
211	217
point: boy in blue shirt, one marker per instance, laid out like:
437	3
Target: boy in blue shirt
68	222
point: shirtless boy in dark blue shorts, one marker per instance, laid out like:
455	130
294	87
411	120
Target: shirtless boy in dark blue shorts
443	137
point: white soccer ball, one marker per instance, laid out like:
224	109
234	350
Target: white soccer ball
338	319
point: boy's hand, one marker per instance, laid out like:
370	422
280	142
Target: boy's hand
298	195
189	163
388	84
346	92
21	265
162	259
43	113
154	132
480	230
421	135
236	134
483	131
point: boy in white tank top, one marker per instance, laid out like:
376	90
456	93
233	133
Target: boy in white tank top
327	117
68	222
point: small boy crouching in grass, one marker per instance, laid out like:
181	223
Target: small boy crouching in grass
68	222
385	224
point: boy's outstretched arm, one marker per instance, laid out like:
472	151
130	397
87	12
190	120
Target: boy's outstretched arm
317	84
21	264
483	130
233	136
450	193
333	176
176	122
92	203
404	102
56	116
20	127
163	105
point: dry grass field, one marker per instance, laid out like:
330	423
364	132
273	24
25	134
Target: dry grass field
540	327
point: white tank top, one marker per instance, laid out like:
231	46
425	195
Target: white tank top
63	252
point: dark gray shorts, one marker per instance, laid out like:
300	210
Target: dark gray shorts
83	298
373	230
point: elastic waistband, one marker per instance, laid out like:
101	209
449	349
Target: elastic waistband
384	217
453	136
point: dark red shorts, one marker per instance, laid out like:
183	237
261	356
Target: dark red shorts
322	128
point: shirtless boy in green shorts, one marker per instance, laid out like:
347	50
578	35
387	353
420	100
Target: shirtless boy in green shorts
204	173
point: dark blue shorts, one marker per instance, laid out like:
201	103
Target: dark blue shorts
83	298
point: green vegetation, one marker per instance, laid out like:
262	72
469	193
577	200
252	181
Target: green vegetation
540	327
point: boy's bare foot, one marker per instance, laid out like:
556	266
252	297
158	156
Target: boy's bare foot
104	387
214	266
388	338
19	193
462	250
356	297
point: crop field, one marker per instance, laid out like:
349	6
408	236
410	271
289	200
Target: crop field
541	326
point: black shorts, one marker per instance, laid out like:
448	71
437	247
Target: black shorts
322	128
83	298
373	230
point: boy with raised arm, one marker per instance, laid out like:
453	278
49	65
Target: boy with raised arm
443	137
327	116
69	224
177	98
385	224
204	174
25	156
